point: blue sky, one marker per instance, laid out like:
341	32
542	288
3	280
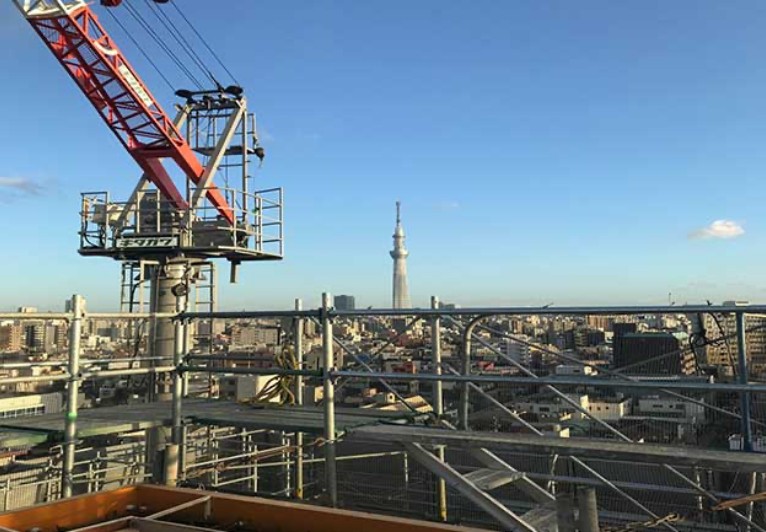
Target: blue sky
543	150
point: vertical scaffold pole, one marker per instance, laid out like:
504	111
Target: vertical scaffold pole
465	392
73	387
438	400
175	451
331	477
747	429
298	347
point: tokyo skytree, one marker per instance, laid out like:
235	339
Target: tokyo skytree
399	254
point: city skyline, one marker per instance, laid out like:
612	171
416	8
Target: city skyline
521	181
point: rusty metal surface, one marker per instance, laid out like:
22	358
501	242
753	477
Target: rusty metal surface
105	512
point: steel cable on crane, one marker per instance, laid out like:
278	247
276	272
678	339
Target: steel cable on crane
204	42
141	49
180	39
163	46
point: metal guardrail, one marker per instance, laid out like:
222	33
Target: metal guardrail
329	375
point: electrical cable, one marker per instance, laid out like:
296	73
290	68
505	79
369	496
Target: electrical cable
180	39
204	42
140	49
280	386
164	47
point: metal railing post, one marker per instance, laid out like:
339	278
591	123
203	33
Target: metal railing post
328	362
745	398
436	350
465	394
438	401
298	347
177	395
73	387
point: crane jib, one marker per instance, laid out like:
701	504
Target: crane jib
89	55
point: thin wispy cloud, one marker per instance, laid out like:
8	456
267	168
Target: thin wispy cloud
448	206
723	229
20	186
265	135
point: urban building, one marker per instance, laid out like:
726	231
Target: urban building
551	406
344	302
34	335
668	407
255	335
724	353
609	408
11	337
19	405
651	354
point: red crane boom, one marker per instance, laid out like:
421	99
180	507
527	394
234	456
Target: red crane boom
73	33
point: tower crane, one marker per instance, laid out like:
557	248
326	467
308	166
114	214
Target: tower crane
74	35
166	237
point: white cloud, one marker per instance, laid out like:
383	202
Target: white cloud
15	187
719	229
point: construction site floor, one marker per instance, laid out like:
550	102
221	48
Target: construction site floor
128	418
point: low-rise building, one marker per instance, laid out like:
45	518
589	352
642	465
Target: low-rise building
654	406
33	404
609	408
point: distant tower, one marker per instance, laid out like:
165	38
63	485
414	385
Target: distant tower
399	254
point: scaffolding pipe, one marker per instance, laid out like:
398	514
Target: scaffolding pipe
40	378
73	387
132	371
465	390
83	362
438	401
254	371
745	398
516	311
176	407
561	381
298	347
328	363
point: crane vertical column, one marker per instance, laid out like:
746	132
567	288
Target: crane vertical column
168	296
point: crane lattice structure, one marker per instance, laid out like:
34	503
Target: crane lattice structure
194	201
